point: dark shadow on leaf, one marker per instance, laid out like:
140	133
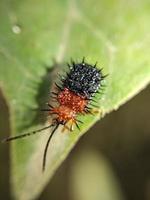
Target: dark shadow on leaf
4	150
43	96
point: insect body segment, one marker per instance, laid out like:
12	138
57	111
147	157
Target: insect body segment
72	98
70	104
83	79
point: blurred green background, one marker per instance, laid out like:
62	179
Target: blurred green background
120	147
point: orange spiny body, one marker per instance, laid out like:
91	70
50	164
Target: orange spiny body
70	104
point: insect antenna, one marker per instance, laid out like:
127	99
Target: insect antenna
25	134
47	145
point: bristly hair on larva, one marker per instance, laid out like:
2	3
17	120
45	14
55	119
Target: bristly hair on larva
72	98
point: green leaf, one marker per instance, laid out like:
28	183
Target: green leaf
115	33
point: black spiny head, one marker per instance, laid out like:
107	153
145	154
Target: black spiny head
83	79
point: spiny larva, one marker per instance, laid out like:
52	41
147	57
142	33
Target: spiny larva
72	97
